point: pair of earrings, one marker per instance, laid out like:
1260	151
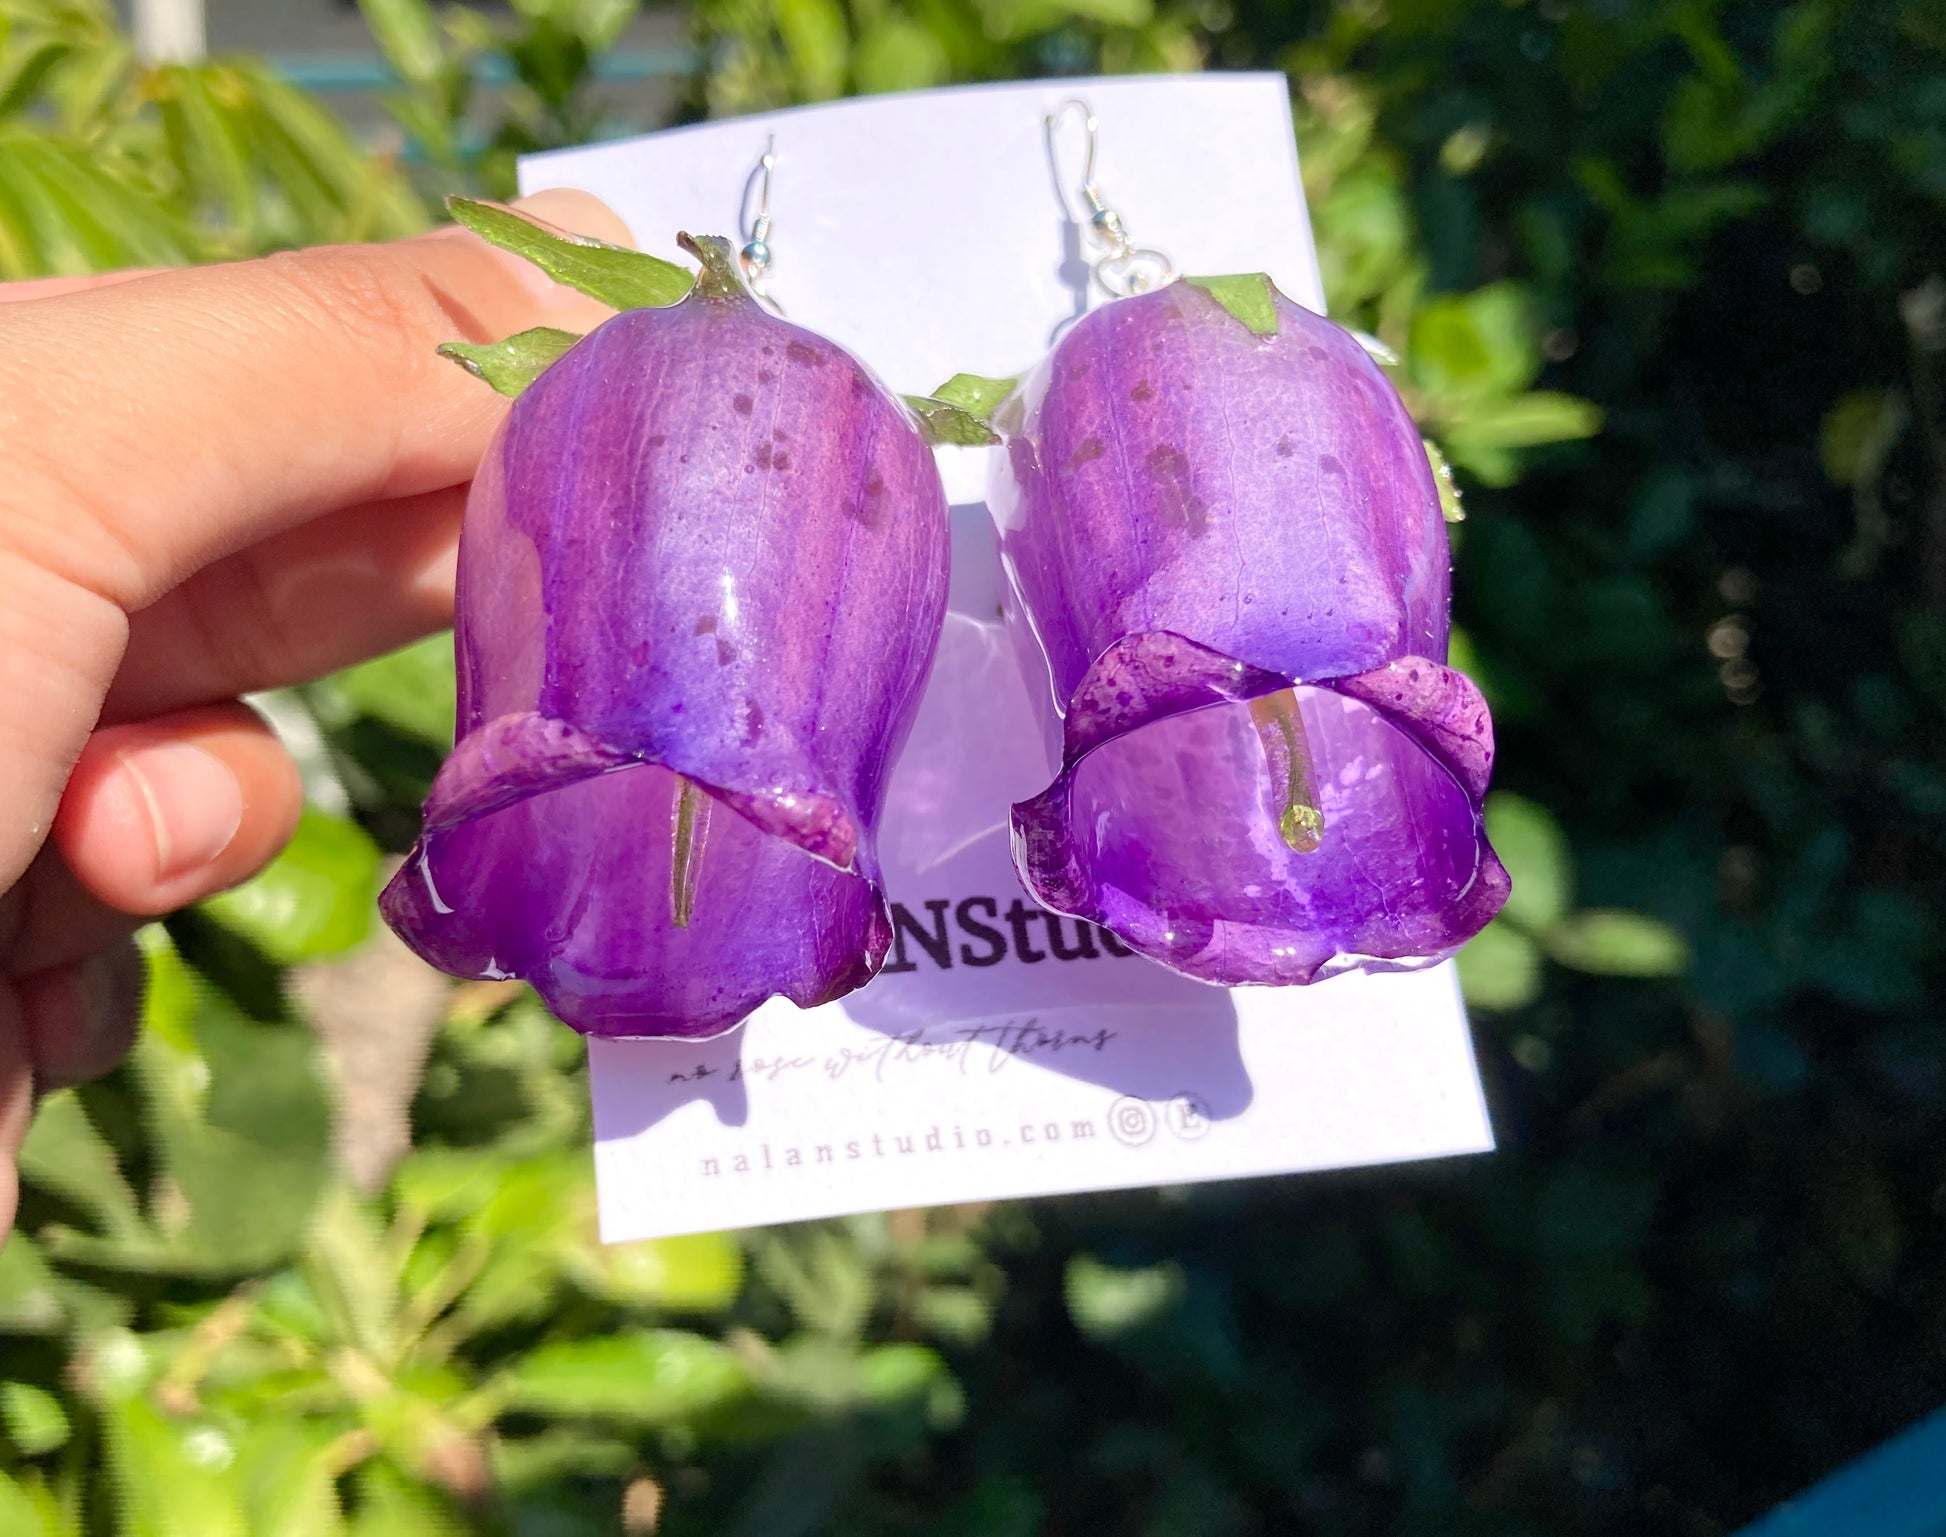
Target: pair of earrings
703	574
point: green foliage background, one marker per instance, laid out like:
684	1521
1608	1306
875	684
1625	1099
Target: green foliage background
1664	280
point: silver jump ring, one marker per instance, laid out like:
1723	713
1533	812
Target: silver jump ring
1123	274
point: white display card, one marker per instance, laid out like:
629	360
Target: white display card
1003	1051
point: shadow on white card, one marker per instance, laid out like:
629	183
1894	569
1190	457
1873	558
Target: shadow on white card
973	954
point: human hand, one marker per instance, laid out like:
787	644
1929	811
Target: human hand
216	480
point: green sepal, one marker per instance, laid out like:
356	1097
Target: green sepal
513	364
721	276
1246	295
960	411
975	394
940	421
1442	476
616	276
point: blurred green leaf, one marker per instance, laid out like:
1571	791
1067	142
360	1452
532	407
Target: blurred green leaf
957	1314
21	78
26	1510
65	1155
888	1374
206	141
286	1478
242	1127
897	53
30	1300
391	1504
172	1478
1465	348
33	1418
644	1376
1106	1302
700	1273
1500	968
1619	944
1364	232
538	1462
314	899
1857	433
824	1280
351	1280
240	1130
818	42
1529	843
408	33
1524	421
411	689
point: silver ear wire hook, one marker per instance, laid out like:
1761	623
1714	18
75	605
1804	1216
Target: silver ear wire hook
1123	268
755	255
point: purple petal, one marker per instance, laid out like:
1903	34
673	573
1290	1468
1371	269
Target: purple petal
569	890
705	544
1194	520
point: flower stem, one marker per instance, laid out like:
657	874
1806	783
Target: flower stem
686	855
1287	753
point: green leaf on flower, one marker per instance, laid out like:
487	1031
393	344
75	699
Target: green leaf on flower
975	394
1246	295
616	276
1442	477
720	275
1611	943
514	363
960	412
941	421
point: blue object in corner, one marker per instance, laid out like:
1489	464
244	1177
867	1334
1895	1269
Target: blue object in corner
1897	1490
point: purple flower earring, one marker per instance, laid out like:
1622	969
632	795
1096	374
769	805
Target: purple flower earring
701	579
1229	568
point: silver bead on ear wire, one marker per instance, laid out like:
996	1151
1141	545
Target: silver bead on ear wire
755	255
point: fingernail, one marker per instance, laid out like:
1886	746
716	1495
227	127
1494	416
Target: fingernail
195	804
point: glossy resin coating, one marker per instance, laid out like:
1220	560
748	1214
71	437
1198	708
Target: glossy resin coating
1229	576
701	579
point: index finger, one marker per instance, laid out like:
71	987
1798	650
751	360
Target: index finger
150	427
156	424
53	288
